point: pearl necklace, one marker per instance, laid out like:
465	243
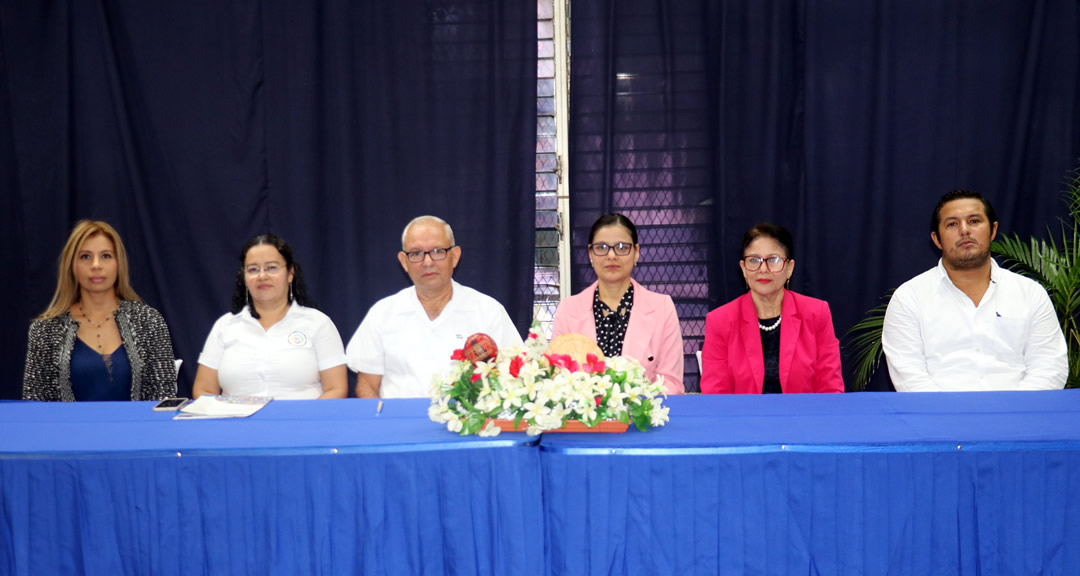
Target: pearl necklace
774	326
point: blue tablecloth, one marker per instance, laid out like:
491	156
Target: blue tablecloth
977	483
828	484
321	487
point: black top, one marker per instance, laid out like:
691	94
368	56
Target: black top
770	348
97	377
611	325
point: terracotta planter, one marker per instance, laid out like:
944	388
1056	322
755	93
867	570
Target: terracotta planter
575	426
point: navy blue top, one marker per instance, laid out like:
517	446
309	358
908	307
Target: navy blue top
94	379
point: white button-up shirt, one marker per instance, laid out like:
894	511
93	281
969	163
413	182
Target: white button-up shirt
396	338
935	338
283	362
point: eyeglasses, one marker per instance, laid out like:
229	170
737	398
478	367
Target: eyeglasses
772	263
437	254
602	248
269	269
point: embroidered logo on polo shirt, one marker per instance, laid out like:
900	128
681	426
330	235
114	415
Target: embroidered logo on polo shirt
297	338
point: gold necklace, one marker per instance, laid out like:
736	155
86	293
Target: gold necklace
98	326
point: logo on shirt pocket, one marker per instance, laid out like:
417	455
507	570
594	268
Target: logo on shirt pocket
297	338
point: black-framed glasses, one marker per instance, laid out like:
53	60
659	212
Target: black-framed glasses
437	254
602	248
772	263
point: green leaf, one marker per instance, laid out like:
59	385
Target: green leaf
640	414
864	339
472	424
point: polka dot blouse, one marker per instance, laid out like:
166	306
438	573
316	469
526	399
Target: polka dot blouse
611	325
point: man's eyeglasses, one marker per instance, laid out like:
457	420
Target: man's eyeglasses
772	263
270	269
602	248
437	254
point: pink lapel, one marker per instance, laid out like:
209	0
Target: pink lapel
789	335
582	315
640	329
751	337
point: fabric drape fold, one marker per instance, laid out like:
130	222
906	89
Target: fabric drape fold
843	121
191	127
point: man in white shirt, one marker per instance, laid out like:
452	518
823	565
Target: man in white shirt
968	324
407	338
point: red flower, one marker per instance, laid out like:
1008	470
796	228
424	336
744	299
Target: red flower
594	364
458	355
475	377
564	360
515	366
598	399
532	335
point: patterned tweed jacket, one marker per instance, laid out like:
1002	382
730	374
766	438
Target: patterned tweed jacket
146	341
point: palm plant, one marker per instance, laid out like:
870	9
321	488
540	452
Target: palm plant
1054	263
865	341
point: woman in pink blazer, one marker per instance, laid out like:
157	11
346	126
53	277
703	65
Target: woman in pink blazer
622	316
770	340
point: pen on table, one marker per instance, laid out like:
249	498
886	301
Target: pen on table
378	408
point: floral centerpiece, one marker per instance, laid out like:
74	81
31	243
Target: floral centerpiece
544	390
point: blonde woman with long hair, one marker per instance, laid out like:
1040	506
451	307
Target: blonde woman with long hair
97	340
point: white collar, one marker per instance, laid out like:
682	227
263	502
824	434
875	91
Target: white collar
943	274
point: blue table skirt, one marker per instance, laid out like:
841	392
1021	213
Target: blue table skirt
854	484
101	489
831	484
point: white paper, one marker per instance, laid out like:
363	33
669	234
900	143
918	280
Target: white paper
211	406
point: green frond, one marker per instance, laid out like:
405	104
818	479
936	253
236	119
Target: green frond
1055	263
864	340
1072	194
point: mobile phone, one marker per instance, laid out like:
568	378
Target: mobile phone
170	404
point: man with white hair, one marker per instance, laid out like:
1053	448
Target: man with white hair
407	338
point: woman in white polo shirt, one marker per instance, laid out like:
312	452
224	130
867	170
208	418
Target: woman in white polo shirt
273	343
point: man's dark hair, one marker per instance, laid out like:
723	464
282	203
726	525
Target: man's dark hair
935	219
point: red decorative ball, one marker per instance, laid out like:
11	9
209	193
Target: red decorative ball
480	347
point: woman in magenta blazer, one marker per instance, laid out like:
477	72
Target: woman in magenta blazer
622	316
770	340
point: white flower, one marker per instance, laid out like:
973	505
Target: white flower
439	411
489	430
658	416
487	403
531	410
549	418
542	396
483	368
588	410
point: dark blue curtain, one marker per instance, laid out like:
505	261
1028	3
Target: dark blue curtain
842	120
192	126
